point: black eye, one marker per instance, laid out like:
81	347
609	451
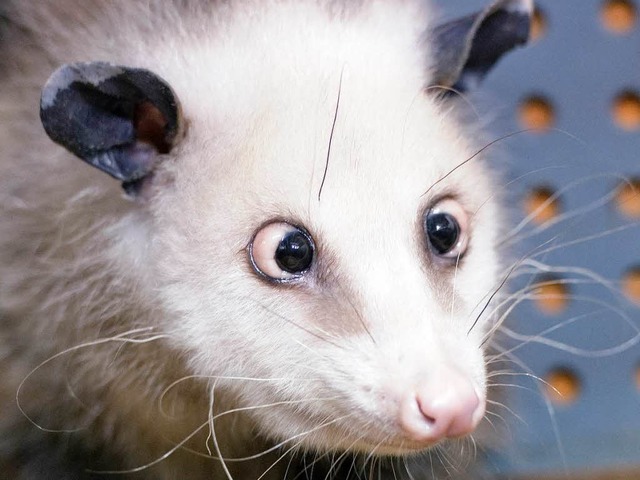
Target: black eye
281	251
443	231
446	226
295	252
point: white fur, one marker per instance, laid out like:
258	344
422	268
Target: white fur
258	85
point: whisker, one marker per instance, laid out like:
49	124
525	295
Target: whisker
539	266
173	384
286	452
116	338
501	284
588	238
360	319
406	468
463	163
284	442
515	180
502	405
345	453
212	432
163	457
493	294
310	332
490	422
453	283
465	98
513	236
289	465
550	411
251	408
539	338
274	404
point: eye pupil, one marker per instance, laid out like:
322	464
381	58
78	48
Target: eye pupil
294	253
443	231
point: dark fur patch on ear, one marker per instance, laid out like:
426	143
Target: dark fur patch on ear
465	49
117	119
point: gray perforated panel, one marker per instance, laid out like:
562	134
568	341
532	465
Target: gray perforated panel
580	67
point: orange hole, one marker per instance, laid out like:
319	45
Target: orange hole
537	113
626	110
538	25
563	386
631	285
628	198
618	16
541	205
551	295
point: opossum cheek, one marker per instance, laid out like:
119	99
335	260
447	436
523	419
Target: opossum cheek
446	404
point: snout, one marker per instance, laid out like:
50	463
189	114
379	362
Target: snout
444	404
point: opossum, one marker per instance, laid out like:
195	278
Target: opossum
244	239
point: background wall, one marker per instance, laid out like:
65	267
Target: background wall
575	179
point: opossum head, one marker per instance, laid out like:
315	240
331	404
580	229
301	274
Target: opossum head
321	242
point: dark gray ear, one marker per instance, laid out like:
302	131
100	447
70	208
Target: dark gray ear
118	119
465	49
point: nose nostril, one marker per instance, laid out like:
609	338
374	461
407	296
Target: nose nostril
427	417
435	418
430	420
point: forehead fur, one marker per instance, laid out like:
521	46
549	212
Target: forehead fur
269	110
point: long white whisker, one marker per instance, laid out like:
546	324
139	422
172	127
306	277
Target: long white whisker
600	202
116	338
212	432
284	442
550	410
163	457
286	452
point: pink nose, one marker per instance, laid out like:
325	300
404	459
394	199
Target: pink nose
444	405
